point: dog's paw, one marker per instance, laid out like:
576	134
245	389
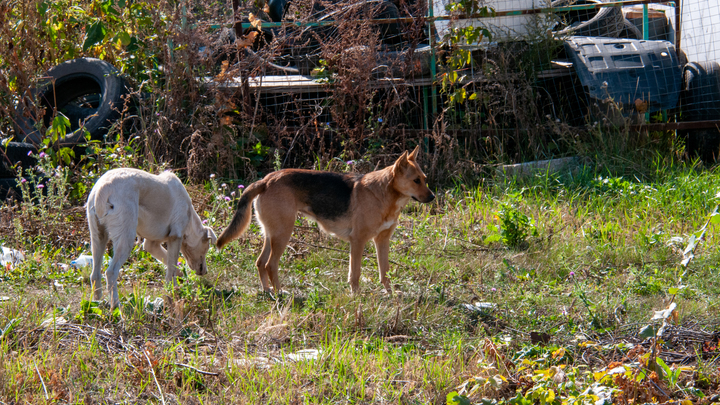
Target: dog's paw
279	295
265	295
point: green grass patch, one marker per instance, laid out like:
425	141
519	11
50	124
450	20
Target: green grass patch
518	292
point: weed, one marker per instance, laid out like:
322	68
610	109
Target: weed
590	256
515	226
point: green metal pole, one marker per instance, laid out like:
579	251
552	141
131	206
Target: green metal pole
425	107
646	34
433	70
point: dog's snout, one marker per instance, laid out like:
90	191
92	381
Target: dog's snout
426	198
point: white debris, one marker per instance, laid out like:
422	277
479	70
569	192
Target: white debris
82	261
305	354
11	256
53	321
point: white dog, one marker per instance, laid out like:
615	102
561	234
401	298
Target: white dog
128	202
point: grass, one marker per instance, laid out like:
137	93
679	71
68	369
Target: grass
515	291
598	256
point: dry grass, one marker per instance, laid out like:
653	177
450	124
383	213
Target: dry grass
603	259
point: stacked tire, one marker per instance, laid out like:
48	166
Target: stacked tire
11	156
90	92
700	101
593	22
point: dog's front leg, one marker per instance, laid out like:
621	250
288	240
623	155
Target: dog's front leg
156	250
382	245
173	252
356	254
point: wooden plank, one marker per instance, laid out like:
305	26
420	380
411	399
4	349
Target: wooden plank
673	126
298	83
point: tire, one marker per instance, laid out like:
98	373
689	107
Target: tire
682	58
82	87
9	189
700	101
276	9
630	31
604	22
397	61
390	34
14	153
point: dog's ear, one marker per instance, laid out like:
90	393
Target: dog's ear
414	153
210	234
401	163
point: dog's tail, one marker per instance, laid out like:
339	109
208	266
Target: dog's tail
243	214
99	201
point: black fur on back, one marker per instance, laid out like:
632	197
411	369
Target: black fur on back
327	194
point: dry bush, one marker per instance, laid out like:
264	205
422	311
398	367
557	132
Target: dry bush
178	118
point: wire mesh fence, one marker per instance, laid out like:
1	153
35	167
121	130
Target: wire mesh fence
496	79
302	83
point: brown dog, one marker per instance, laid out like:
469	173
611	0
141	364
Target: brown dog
355	208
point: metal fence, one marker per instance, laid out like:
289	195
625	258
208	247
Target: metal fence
503	74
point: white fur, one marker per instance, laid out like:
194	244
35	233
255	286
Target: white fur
387	225
128	202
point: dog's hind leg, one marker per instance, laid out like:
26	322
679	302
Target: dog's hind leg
121	224
356	254
279	242
382	246
262	261
277	222
268	263
98	241
122	246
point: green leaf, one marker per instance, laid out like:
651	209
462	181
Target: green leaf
95	34
660	362
549	396
107	7
123	38
455	398
42	7
8	328
647	331
134	45
66	158
715	218
58	127
673	290
520	399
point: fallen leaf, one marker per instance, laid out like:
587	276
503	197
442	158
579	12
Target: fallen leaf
247	40
539	337
223	71
255	21
641	106
665	313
